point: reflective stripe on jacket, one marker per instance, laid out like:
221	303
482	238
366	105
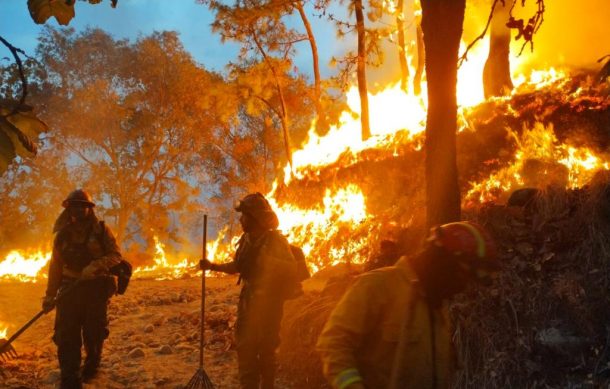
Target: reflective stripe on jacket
358	344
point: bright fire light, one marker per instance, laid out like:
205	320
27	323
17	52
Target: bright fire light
23	266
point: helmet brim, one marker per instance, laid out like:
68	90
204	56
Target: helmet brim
67	203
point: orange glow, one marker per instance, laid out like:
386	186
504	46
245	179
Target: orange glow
163	268
540	144
24	266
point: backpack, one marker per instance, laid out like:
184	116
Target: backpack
123	270
302	272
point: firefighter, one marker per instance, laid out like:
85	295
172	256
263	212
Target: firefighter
84	250
267	271
391	329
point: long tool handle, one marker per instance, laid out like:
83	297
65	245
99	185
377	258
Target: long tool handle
27	325
202	324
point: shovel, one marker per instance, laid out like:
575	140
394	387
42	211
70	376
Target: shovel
7	351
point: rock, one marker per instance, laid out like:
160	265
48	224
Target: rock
176	297
149	328
177	339
159	321
136	353
165	350
553	339
184	347
52	377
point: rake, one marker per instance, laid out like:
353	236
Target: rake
201	379
7	351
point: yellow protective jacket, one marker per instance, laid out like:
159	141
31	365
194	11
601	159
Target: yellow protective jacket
359	343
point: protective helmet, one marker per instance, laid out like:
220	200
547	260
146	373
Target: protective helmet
256	205
78	196
469	244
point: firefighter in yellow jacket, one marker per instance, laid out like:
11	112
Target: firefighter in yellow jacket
268	271
84	250
391	329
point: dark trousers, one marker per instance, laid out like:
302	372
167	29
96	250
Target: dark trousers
81	318
258	336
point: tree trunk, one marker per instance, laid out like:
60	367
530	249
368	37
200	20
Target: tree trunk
421	55
362	90
496	73
402	51
316	62
442	27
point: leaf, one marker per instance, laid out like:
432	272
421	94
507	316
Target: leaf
42	10
18	132
7	151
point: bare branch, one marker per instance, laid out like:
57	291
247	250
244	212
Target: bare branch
464	56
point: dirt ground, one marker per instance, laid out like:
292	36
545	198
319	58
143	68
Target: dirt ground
153	343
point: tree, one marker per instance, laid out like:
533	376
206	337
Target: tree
361	70
496	73
442	27
131	129
402	47
257	26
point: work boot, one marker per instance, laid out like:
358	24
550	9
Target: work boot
70	382
89	373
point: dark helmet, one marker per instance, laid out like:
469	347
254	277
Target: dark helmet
256	205
469	243
78	196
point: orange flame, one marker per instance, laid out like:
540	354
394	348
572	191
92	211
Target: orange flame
540	144
23	267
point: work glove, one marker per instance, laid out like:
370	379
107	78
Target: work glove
48	303
205	264
90	271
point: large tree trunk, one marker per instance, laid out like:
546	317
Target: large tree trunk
442	27
421	54
496	73
316	62
362	90
402	50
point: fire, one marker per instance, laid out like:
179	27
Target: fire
22	266
540	149
393	110
314	228
162	268
3	330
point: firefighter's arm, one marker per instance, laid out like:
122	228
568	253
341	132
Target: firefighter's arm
350	322
110	258
229	267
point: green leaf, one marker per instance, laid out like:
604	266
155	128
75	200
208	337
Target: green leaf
42	10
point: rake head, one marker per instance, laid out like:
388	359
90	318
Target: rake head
200	381
6	351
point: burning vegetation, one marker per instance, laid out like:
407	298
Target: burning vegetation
533	162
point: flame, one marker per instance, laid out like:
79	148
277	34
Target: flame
337	226
22	266
393	110
3	330
162	268
540	145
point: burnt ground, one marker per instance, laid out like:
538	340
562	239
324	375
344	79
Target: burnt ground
153	341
